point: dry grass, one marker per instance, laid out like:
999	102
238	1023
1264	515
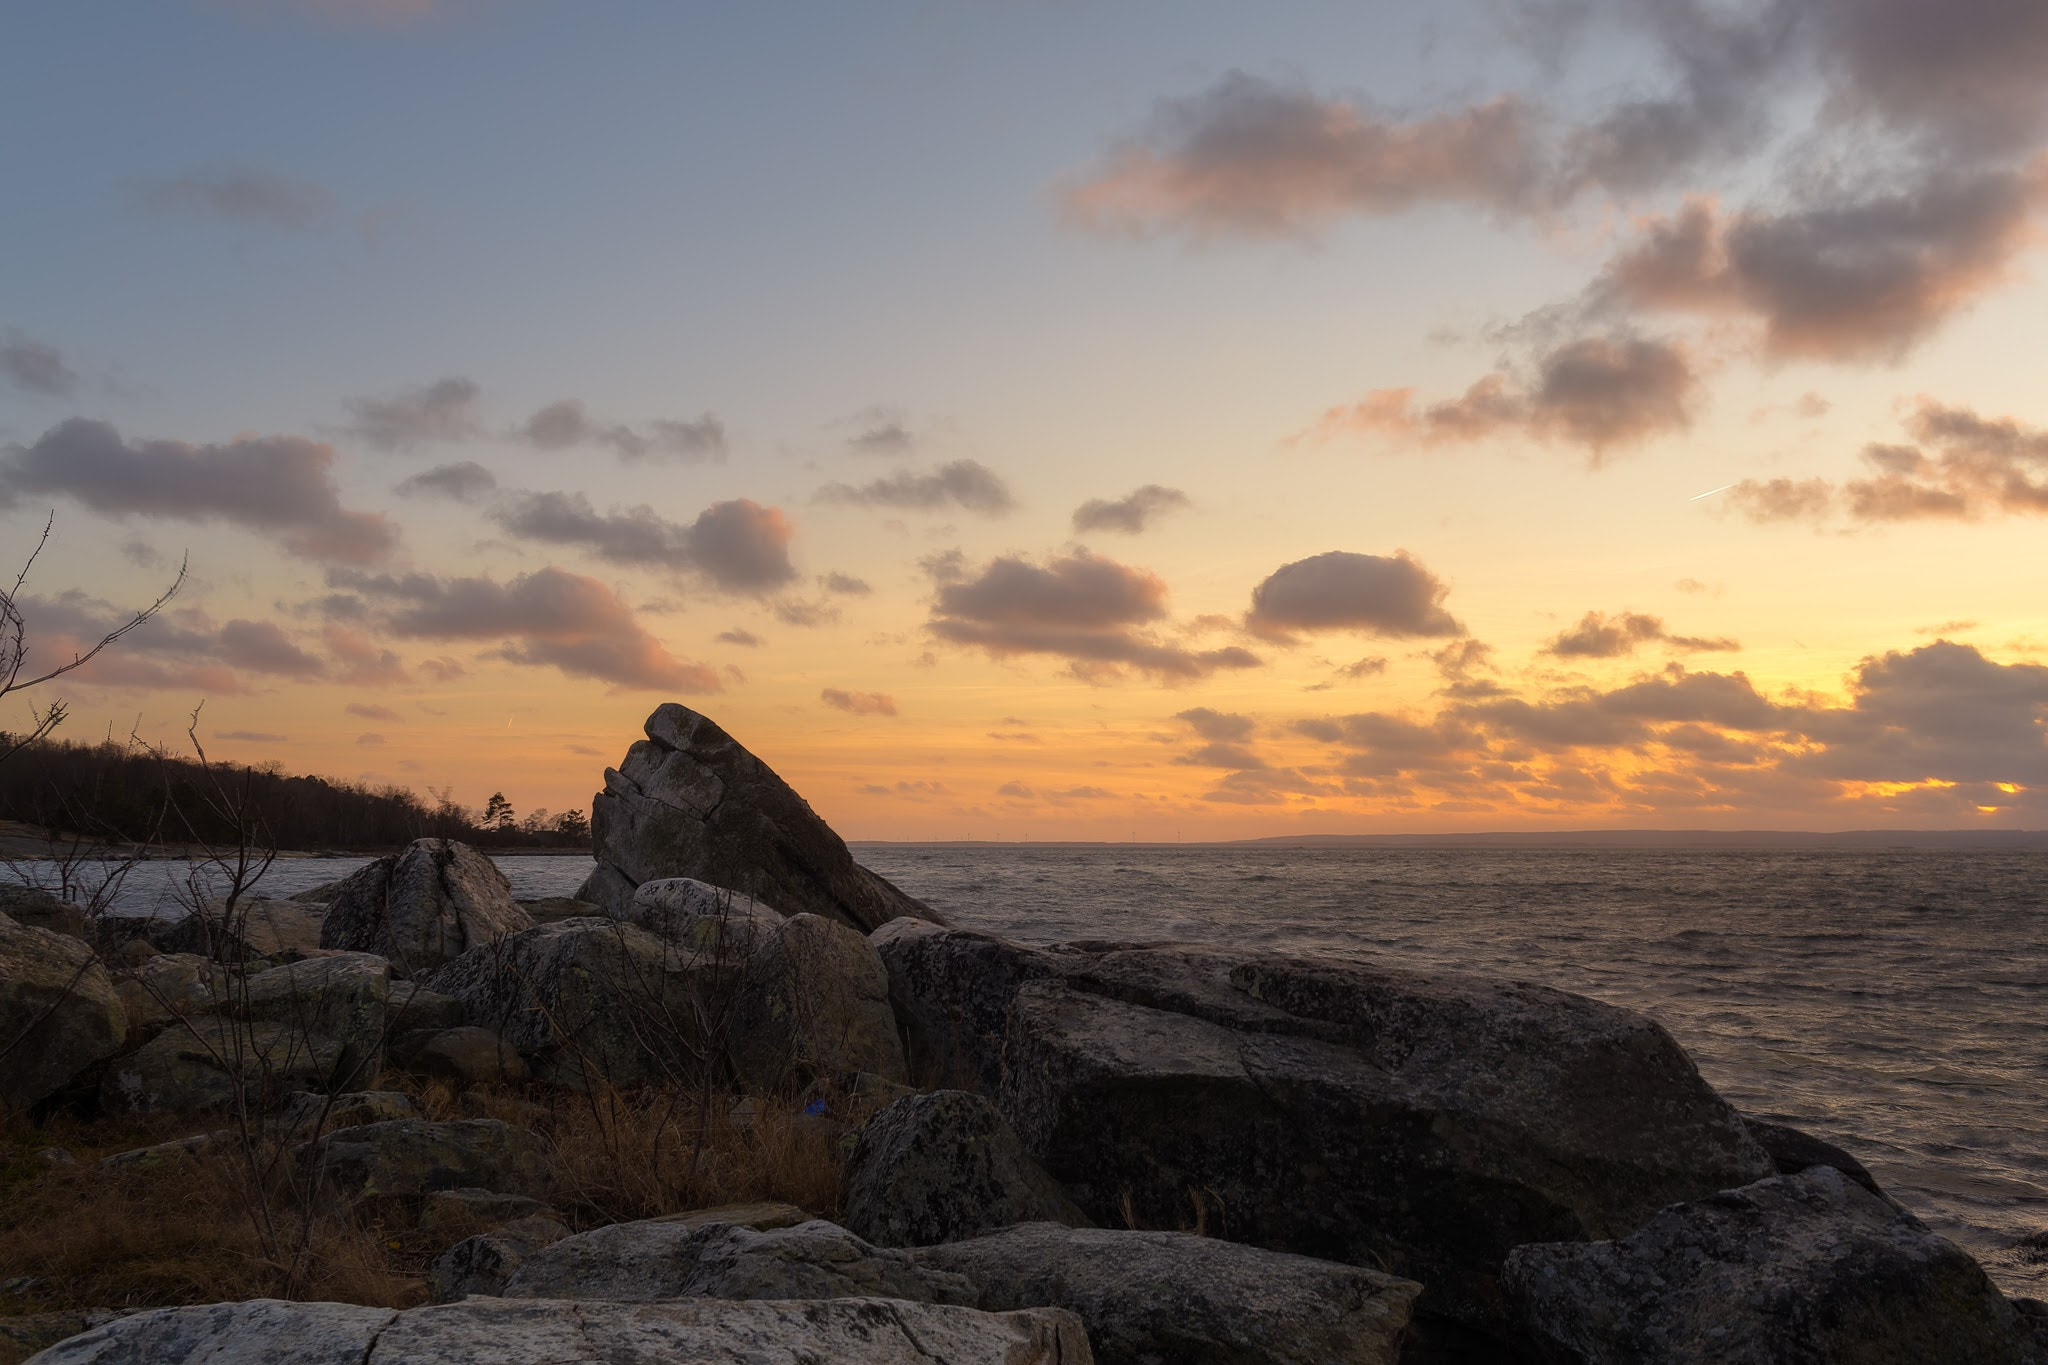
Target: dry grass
183	1231
84	1236
618	1155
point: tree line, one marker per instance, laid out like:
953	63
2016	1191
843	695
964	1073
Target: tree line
132	793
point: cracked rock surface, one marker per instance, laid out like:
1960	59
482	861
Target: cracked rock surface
942	1166
861	1331
691	801
1160	1296
423	907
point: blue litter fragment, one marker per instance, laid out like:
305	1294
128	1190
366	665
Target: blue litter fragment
815	1107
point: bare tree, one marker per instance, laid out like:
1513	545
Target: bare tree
15	673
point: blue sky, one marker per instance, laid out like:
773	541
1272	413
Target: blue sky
1345	280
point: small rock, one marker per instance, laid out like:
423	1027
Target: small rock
466	1209
1792	1151
525	1332
411	1158
168	987
58	1156
306	1110
548	909
38	909
760	1215
341	996
254	927
711	923
413	1006
942	1166
177	1149
205	1063
129	953
482	1264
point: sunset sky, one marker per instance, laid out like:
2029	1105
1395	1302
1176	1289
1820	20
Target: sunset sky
1059	420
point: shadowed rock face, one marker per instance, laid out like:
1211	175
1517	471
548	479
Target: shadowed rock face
59	1013
814	1003
1423	1123
689	801
1807	1267
209	1061
940	1167
584	1000
35	908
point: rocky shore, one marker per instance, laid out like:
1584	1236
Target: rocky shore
1107	1151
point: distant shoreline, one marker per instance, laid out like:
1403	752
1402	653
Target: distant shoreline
1862	840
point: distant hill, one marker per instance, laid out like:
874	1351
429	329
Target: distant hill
55	794
1674	838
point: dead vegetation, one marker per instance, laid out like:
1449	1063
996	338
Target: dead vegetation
76	1235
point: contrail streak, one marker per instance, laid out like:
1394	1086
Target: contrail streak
1710	492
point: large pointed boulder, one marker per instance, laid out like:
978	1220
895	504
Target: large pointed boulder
690	801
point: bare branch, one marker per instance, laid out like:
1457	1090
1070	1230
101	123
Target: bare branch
20	652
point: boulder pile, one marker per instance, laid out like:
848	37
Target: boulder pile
1128	1153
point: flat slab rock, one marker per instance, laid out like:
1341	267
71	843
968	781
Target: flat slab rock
657	1260
548	1332
1808	1268
1154	1297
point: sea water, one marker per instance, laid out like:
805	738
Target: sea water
1894	1003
